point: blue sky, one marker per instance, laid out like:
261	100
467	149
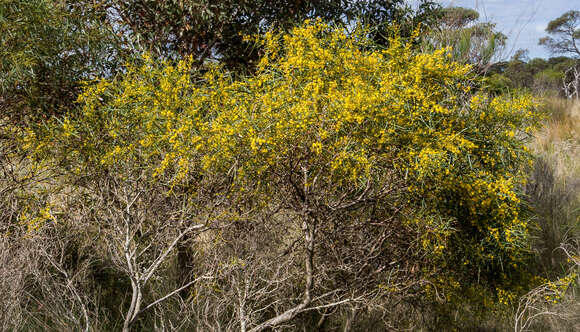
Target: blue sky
523	21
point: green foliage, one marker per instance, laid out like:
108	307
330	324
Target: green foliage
498	84
46	48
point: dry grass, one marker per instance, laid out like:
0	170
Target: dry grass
554	188
554	194
559	140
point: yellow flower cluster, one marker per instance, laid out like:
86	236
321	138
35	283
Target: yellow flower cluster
506	297
329	104
35	220
557	289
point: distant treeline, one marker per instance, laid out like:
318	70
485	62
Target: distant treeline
542	76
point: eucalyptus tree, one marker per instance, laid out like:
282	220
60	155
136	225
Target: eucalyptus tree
470	41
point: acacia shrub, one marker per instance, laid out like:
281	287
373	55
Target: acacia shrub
382	149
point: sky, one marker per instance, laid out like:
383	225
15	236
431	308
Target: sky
523	21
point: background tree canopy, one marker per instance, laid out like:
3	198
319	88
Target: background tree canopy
470	41
49	47
46	48
215	29
565	34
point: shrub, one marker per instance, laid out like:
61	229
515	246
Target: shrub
340	141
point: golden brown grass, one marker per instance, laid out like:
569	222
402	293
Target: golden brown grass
559	140
554	194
